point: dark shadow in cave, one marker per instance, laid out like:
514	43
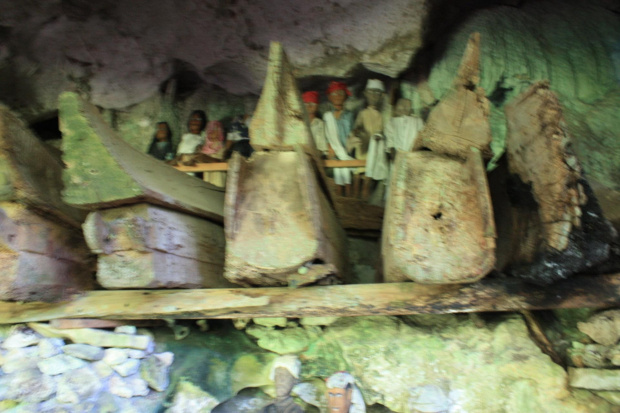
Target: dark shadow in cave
443	19
186	78
47	129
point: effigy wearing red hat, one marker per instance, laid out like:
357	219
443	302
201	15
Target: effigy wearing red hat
333	86
310	97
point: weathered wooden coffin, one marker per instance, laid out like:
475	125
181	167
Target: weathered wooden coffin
558	228
146	246
104	171
41	260
280	225
438	225
152	226
43	255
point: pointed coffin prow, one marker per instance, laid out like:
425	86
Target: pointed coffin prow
461	119
280	121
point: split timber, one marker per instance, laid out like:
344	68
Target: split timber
487	295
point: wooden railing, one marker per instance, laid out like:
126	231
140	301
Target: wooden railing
223	166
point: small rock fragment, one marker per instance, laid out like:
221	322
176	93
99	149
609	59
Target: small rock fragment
155	372
119	387
594	379
603	328
166	357
114	356
19	359
138	386
590	355
80	384
317	321
49	347
127	368
270	322
126	330
27	385
102	369
20	337
190	398
84	351
60	364
136	354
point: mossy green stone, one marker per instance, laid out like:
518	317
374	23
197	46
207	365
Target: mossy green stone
92	175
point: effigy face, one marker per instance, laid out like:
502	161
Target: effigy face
402	108
337	97
373	97
339	400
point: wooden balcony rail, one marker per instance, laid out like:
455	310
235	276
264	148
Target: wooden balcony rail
223	166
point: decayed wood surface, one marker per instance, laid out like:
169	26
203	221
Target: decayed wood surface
536	145
277	220
31	173
40	259
279	215
355	214
337	300
438	226
146	246
280	121
460	120
104	171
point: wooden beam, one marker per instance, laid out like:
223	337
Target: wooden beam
223	166
204	167
491	294
334	163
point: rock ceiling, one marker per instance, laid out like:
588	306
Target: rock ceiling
121	52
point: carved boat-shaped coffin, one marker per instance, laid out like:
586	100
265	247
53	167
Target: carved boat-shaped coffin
438	225
280	225
151	226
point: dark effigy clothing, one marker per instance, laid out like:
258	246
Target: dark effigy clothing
283	406
160	150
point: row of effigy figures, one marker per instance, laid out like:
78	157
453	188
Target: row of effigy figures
338	135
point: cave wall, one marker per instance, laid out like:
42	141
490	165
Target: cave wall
574	46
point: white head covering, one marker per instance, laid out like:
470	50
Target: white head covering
341	380
289	362
375	84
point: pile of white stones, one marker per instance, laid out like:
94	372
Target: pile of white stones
45	373
597	365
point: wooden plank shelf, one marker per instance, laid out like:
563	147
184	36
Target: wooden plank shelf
491	294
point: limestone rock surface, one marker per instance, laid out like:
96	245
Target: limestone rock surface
492	368
120	54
